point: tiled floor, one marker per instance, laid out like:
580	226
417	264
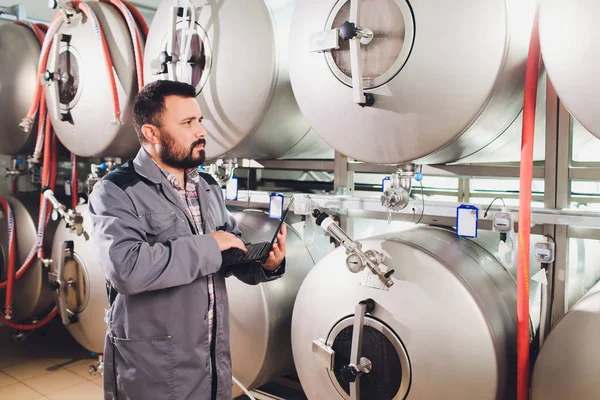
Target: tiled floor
47	364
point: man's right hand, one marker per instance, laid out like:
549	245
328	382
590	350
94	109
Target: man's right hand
227	241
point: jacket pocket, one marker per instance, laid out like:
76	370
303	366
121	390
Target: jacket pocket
155	223
144	368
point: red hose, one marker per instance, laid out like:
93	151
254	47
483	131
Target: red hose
42	121
43	27
139	18
526	179
41	66
74	188
12	255
30	327
134	31
48	173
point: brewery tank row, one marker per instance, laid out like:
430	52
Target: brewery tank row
440	85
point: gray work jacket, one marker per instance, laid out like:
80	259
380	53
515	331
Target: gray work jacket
157	264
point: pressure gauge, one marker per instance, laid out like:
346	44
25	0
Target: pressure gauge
355	263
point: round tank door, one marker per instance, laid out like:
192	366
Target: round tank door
386	370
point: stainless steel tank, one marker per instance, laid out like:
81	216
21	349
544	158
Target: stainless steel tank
447	78
569	361
79	95
571	58
446	329
84	296
20	52
32	295
239	66
260	316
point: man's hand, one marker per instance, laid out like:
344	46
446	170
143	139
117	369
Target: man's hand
227	241
277	255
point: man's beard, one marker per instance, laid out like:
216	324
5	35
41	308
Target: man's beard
180	159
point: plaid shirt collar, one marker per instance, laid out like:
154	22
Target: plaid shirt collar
191	174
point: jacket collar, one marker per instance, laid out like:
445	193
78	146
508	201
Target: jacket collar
146	168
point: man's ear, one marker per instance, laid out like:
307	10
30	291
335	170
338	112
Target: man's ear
151	133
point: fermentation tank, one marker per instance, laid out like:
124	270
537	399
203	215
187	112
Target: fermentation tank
238	62
32	295
19	55
78	90
84	294
569	361
447	78
571	57
445	329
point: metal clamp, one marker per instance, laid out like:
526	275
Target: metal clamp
358	365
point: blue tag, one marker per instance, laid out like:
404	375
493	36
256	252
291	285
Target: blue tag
386	183
231	189
467	217
276	206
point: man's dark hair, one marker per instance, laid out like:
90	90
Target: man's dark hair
149	104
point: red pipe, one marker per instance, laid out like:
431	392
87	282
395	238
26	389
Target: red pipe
139	18
74	186
30	327
39	142
12	254
526	179
43	27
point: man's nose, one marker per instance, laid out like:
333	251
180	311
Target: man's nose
200	131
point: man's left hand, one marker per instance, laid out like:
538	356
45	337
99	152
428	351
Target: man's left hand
277	254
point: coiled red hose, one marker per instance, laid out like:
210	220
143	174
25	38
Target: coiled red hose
134	31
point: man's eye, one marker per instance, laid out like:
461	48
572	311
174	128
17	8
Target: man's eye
188	122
